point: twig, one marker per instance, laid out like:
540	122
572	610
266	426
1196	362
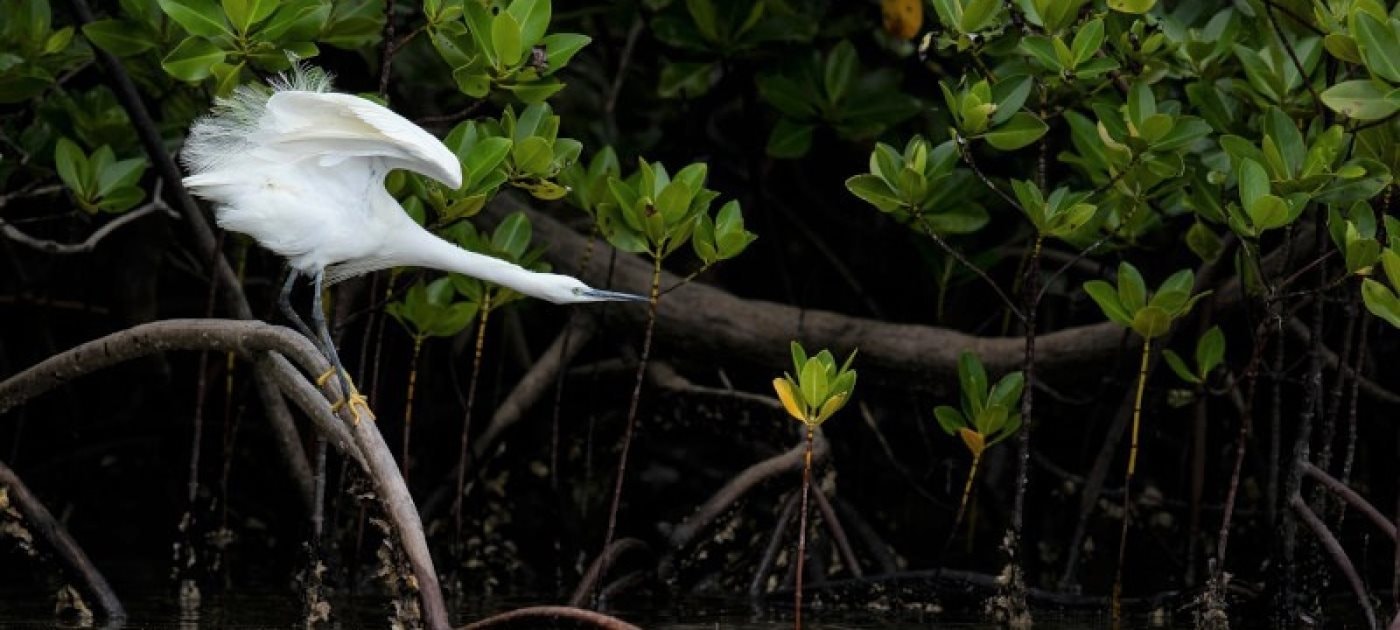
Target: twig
1338	555
775	545
90	243
386	57
736	488
633	32
838	534
1297	64
948	249
594	574
43	523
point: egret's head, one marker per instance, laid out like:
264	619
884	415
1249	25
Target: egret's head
562	289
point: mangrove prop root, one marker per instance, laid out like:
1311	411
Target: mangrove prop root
249	339
533	616
42	522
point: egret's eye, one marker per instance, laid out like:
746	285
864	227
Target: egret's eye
577	291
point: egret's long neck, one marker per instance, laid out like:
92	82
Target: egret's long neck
418	247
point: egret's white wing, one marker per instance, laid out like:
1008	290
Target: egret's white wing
329	125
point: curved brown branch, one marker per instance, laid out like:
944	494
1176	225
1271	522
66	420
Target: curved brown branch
249	339
1338	555
532	616
789	461
1350	496
42	522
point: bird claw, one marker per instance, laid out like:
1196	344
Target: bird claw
358	404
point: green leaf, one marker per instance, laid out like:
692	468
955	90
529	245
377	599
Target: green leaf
1151	322
1041	48
245	13
1022	129
1254	183
192	59
685	79
1141	103
512	236
533	18
1087	41
1381	301
1007	391
875	191
485	157
1380	48
121	199
505	39
840	70
119	174
199	17
949	419
978	14
1179	367
1279	128
559	48
1106	297
973	378
790	140
1361	100
1203	242
1132	6
118	37
532	155
1210	350
703	13
73	168
1268	212
1132	290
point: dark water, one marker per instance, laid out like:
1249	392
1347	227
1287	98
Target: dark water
268	610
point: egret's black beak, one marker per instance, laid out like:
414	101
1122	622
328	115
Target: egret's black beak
612	296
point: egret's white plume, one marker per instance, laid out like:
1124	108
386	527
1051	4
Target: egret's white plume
301	169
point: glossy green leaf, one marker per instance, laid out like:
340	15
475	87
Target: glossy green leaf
192	59
1361	100
199	17
1022	129
505	39
118	37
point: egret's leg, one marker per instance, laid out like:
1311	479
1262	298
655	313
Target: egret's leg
353	397
284	303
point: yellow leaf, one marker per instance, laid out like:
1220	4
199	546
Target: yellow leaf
974	441
832	404
902	18
788	397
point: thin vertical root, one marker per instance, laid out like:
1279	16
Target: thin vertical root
653	303
1117	602
460	488
802	528
408	402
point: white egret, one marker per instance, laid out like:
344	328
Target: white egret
300	169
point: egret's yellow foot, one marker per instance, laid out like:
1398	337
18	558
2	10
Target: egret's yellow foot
359	404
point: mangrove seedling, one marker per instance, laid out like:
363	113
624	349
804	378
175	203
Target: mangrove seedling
1150	316
820	390
427	310
654	213
986	415
510	241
